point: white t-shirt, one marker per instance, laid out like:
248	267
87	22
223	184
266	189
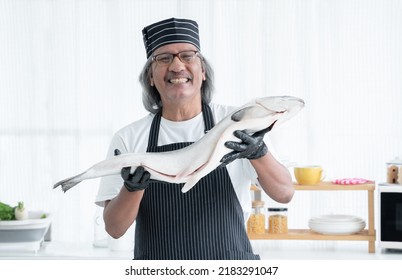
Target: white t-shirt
134	138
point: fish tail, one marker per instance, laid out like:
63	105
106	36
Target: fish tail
68	183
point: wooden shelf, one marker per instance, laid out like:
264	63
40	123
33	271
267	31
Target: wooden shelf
307	234
328	186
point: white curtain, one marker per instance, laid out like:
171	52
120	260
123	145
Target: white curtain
69	79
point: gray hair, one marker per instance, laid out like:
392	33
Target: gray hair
151	97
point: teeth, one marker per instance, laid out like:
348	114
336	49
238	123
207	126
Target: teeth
179	81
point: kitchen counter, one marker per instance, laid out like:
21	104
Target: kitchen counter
59	250
321	250
268	251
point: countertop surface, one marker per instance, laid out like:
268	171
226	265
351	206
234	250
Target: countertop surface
340	251
59	250
321	250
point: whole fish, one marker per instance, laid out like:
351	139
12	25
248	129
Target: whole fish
190	164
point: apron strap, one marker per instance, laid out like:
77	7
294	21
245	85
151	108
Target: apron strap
154	132
208	117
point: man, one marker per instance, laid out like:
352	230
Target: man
207	222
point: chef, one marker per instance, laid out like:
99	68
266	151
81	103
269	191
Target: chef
207	222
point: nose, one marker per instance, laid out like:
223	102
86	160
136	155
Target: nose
176	65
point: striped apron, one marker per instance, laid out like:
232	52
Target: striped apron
205	223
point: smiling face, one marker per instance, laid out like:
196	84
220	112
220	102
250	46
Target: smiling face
178	82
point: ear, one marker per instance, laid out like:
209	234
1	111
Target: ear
151	80
150	75
204	76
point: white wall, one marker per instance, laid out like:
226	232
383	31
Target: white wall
69	79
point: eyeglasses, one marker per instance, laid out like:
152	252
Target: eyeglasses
165	59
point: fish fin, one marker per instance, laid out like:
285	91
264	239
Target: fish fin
265	130
193	179
238	115
189	184
68	183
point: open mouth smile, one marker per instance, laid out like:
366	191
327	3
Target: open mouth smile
179	80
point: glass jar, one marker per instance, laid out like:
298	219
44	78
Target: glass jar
278	220
255	193
256	222
100	235
394	171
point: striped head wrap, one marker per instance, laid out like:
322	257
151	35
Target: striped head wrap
170	31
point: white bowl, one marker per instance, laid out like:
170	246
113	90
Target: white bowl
24	234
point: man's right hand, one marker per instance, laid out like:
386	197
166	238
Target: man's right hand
136	181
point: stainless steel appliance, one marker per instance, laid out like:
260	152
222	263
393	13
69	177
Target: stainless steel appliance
390	216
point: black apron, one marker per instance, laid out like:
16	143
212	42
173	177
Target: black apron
203	224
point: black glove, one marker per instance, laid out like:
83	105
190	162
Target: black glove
137	181
251	147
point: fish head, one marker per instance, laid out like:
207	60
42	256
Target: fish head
281	103
286	106
266	112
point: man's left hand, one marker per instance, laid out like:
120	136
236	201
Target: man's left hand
251	147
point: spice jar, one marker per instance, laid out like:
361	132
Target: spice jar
256	193
278	220
394	171
256	222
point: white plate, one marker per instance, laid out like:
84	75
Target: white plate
337	219
337	224
337	230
